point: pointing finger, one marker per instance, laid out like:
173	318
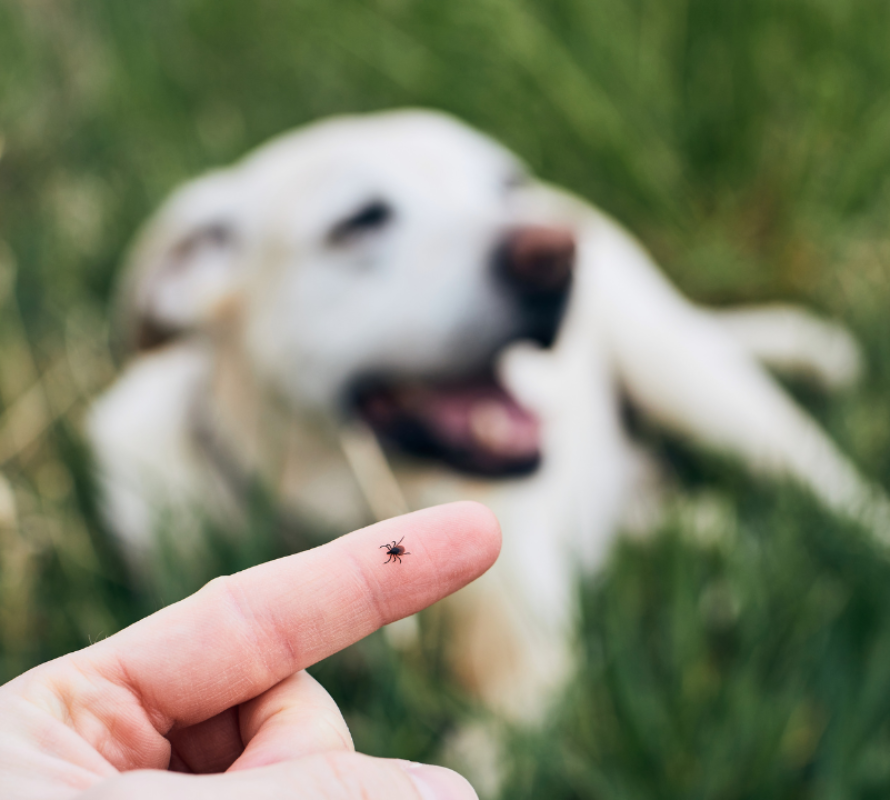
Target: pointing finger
242	634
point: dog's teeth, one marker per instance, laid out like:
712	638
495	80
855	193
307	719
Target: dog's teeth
492	426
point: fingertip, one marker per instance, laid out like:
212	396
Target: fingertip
354	775
481	524
438	783
469	529
449	546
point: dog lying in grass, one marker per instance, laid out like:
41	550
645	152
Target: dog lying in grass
380	313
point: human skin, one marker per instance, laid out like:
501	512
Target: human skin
208	698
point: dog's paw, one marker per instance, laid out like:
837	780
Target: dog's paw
795	342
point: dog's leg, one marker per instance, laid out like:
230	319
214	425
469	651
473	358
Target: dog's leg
794	341
511	634
147	470
510	644
681	366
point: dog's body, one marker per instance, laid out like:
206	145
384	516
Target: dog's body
389	275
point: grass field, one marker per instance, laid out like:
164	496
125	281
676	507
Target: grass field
740	653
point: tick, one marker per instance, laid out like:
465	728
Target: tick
395	551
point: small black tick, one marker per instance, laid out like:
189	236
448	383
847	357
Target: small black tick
395	551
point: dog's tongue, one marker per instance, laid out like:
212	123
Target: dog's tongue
474	425
481	416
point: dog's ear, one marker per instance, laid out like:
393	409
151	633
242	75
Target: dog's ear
183	274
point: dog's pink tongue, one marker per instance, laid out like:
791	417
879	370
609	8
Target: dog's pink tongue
483	417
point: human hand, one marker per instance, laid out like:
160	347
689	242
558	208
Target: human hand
214	685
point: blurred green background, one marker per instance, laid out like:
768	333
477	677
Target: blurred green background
742	652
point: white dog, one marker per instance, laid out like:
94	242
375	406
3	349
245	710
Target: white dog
399	279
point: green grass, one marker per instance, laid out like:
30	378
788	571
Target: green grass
747	143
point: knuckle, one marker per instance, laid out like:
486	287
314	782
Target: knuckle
217	587
331	730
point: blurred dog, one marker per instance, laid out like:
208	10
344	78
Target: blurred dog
385	312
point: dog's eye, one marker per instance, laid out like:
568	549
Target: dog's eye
214	235
370	217
516	179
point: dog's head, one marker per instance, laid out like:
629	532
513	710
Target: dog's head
368	265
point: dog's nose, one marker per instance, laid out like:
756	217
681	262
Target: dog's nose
538	259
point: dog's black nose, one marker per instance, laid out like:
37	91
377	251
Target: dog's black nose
537	260
535	264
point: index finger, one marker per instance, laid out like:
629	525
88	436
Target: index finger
242	634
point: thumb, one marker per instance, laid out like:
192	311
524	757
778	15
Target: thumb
329	776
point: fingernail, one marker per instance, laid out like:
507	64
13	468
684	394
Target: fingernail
438	783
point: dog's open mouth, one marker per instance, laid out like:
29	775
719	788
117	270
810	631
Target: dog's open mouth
473	425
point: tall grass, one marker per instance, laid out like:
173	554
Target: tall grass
745	650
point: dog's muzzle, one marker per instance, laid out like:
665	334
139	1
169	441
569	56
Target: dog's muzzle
472	423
